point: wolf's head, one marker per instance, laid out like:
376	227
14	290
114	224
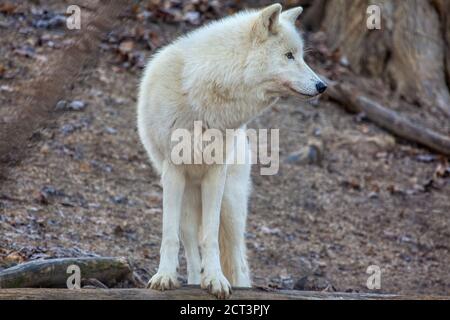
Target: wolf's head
275	60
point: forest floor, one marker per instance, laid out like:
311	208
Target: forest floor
86	186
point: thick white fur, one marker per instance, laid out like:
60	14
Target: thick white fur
223	74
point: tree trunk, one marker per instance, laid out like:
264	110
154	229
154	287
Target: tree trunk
443	7
411	52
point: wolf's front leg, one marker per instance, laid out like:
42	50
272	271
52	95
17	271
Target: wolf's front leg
212	276
173	182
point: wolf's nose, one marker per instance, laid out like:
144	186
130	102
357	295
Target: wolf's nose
321	87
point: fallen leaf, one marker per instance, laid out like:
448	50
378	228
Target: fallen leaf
2	70
126	47
7	7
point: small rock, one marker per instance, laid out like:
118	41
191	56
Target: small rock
270	231
4	24
68	129
120	199
286	283
317	132
26	30
305	267
57	21
310	154
313	283
6	88
49	22
77	105
26	51
373	195
344	61
101	166
51	191
427	158
193	17
61	105
111	130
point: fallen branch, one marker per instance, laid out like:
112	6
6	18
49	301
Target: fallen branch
52	273
388	119
194	293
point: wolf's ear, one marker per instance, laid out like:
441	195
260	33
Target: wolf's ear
292	15
268	21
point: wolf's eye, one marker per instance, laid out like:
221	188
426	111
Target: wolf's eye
290	56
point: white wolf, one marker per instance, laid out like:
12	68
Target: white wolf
223	74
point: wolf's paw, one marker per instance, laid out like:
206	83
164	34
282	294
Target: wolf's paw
217	285
163	281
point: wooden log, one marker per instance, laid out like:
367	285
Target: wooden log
353	101
52	273
193	293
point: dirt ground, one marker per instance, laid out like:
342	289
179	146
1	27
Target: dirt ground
86	186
